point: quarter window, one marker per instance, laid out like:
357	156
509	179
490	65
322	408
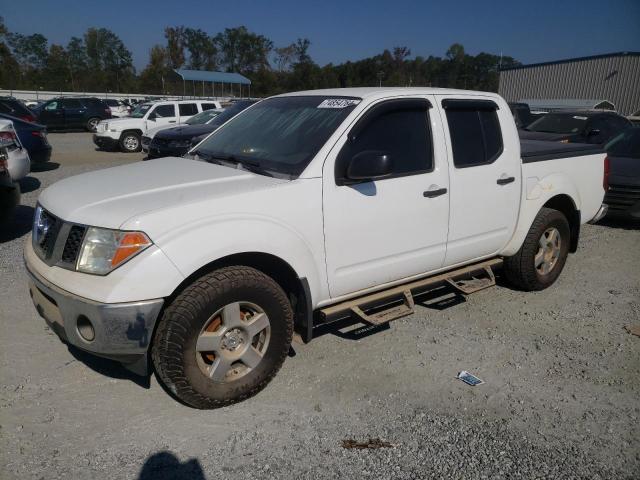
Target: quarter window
187	109
475	132
208	106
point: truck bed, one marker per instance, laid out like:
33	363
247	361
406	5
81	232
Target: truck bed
540	150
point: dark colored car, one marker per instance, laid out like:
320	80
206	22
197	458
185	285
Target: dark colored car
15	108
33	137
595	127
521	114
176	141
623	195
9	190
73	113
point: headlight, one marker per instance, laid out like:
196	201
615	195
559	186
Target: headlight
104	250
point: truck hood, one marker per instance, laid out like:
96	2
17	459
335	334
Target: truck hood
124	123
107	198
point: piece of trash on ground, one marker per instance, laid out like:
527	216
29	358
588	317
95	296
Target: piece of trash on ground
372	443
633	329
469	378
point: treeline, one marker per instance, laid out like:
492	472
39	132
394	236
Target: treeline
99	61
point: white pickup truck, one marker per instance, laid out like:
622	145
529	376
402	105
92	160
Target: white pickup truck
305	209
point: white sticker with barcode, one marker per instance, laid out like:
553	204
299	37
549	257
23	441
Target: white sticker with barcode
338	103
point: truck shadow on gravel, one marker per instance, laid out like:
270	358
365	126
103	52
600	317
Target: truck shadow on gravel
619	222
44	167
109	368
166	466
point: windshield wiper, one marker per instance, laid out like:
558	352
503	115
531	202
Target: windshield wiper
249	165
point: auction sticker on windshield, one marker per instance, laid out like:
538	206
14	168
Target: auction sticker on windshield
338	103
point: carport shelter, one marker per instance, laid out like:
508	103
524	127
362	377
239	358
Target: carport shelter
213	78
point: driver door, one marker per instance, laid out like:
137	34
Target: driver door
52	114
383	230
162	115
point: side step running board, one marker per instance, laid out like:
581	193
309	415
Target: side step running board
398	302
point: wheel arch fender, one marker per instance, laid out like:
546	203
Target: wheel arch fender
555	191
263	243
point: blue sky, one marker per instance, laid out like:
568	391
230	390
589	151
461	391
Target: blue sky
531	31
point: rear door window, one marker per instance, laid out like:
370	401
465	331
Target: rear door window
187	109
476	138
208	106
71	103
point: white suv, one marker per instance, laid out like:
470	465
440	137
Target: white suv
126	133
118	109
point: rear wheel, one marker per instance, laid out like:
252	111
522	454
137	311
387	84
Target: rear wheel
92	124
543	253
130	142
223	338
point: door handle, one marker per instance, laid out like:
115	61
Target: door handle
434	193
505	180
172	121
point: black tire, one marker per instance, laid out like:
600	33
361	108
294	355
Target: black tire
92	123
174	352
130	142
520	269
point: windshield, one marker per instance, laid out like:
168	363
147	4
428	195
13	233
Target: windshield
202	117
280	134
559	123
141	110
231	112
627	144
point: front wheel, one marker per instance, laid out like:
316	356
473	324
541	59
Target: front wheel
543	253
223	338
130	142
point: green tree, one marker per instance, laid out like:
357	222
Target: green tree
154	78
175	46
202	49
243	51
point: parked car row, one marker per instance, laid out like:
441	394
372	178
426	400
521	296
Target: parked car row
9	188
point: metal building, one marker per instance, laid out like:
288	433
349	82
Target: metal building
614	77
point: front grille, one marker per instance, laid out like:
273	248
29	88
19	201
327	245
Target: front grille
73	244
621	197
57	242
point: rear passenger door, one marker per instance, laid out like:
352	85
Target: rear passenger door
485	177
186	111
74	113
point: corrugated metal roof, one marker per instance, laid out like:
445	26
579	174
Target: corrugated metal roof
217	77
567	104
576	59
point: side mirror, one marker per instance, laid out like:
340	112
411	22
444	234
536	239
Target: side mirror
152	117
369	165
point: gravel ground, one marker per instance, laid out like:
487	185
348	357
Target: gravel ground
561	398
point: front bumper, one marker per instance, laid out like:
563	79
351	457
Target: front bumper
107	143
602	211
120	331
41	156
